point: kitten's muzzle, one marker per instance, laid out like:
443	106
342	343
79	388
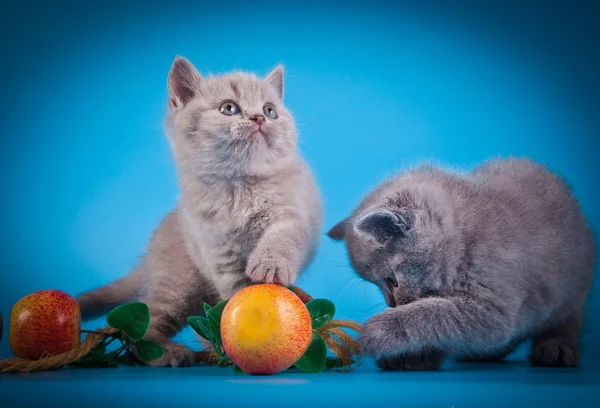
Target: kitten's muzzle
399	297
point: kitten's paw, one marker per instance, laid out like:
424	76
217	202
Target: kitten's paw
271	269
381	335
175	355
555	352
412	362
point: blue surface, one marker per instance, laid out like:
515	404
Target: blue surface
468	385
375	86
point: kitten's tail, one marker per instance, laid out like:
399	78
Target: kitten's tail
100	301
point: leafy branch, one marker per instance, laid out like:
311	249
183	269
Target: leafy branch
131	322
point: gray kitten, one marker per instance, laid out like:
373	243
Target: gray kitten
472	265
249	209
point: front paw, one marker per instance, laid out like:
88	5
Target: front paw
555	352
425	361
271	268
381	335
175	355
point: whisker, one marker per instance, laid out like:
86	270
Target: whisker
370	308
335	262
344	280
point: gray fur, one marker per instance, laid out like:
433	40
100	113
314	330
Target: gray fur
249	209
475	264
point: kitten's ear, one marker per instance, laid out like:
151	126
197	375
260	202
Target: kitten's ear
183	82
383	225
338	232
275	79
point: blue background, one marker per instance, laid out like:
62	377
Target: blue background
86	171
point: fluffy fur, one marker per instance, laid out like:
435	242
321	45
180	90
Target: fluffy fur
249	209
472	265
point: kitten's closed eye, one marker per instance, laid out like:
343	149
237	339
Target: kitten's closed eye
229	108
392	282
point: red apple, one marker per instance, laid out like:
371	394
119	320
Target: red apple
265	328
44	323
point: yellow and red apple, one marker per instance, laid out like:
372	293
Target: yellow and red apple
44	323
265	329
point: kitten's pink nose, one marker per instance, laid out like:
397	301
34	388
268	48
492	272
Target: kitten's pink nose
258	119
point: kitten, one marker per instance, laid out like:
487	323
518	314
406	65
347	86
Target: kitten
472	265
249	210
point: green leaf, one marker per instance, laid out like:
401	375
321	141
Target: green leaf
214	322
100	364
313	360
131	359
321	312
334	362
95	359
124	360
237	369
224	361
149	350
133	318
206	307
114	357
215	312
215	331
95	356
200	326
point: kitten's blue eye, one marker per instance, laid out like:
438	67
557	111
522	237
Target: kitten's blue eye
229	108
270	111
391	281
